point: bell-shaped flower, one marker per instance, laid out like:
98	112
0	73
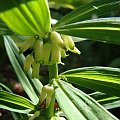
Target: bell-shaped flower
35	69
28	62
55	54
44	92
47	92
56	38
38	48
68	41
46	53
50	92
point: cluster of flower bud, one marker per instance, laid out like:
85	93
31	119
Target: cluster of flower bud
47	92
61	44
47	53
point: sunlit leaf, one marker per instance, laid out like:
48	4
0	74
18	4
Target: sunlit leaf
26	17
80	105
15	103
103	79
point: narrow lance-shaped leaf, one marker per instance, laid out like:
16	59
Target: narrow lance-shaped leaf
15	103
95	7
103	29
26	17
20	73
15	115
103	79
84	107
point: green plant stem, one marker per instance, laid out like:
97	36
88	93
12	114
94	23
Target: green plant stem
53	73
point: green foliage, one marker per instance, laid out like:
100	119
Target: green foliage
15	103
85	12
108	101
26	16
108	79
102	29
75	100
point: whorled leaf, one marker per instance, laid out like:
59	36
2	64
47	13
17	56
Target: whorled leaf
102	29
107	101
85	12
26	17
103	79
77	105
15	103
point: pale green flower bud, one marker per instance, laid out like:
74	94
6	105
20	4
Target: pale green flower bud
46	53
28	62
28	43
38	47
75	51
44	93
35	70
56	38
68	41
55	54
50	92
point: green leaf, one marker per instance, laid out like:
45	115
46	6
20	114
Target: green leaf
36	84
77	105
20	73
103	29
15	103
107	101
103	79
26	17
15	115
95	7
